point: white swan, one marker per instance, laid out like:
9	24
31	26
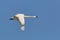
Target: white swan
20	18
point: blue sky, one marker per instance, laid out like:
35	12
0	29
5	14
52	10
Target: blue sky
46	27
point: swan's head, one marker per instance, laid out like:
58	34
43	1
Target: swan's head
35	16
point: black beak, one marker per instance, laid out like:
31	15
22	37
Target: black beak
36	16
11	19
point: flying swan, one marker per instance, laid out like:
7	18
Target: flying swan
20	19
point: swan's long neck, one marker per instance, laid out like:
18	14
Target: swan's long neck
30	16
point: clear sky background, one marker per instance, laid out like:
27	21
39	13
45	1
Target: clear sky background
46	27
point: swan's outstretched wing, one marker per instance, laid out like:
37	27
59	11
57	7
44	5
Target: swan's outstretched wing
22	22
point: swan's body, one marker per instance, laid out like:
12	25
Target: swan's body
20	18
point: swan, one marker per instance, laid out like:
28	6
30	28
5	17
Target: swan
20	19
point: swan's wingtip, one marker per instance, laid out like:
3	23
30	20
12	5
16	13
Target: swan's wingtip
22	28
